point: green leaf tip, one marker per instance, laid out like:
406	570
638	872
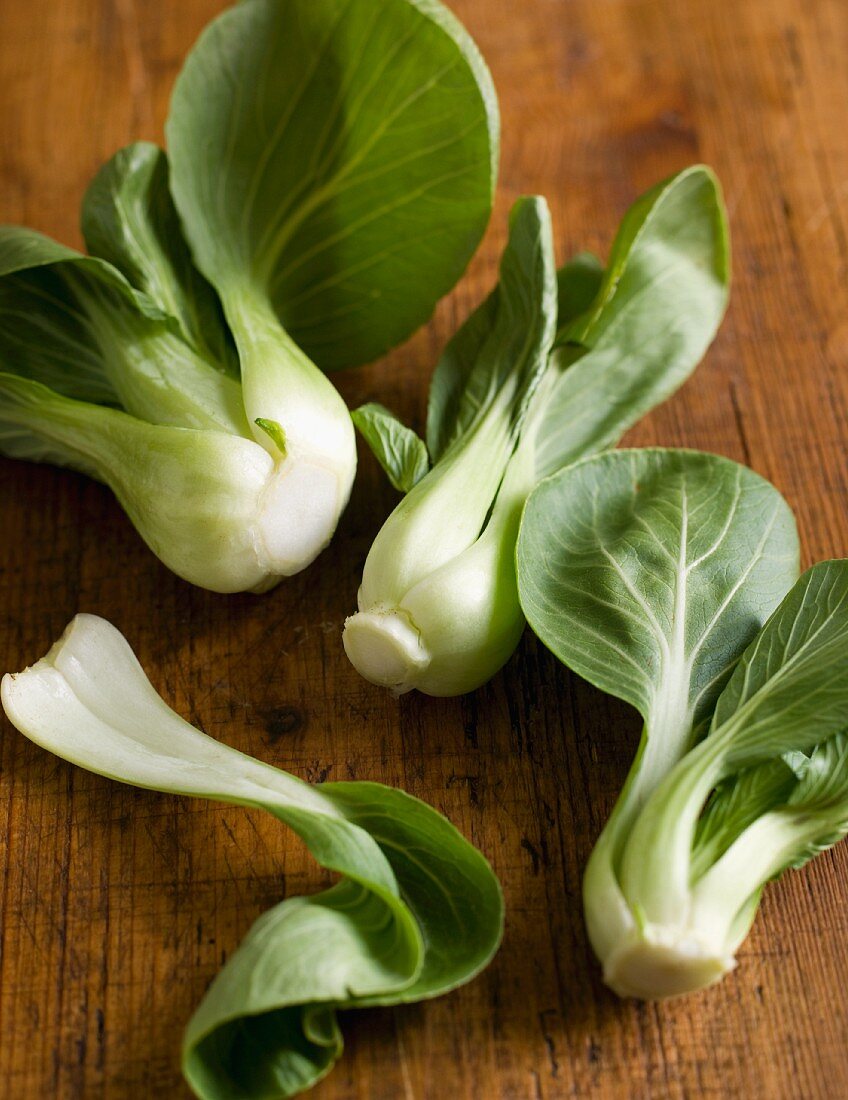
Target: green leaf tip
400	452
274	431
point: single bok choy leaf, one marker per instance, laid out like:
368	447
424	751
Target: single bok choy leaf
445	619
333	164
653	575
416	912
401	453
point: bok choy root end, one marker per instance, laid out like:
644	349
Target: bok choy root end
416	912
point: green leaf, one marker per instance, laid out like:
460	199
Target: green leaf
822	786
274	432
400	452
73	323
453	370
449	412
501	352
735	804
662	299
578	285
790	689
336	158
822	792
810	816
417	912
43	332
128	218
647	572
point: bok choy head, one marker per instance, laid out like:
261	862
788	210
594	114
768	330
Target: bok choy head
333	164
310	140
416	911
550	368
662	577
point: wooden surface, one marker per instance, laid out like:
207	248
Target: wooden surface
118	906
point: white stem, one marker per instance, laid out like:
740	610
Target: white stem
316	458
89	702
759	853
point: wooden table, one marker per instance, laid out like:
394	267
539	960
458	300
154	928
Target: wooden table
118	906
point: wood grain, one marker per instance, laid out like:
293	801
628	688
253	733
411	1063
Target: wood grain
118	906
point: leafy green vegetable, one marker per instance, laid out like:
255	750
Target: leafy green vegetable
417	912
333	166
174	446
74	323
648	572
345	186
425	620
399	450
788	698
129	218
651	574
334	200
513	400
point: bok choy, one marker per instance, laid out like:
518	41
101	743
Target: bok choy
666	579
416	912
332	167
550	368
